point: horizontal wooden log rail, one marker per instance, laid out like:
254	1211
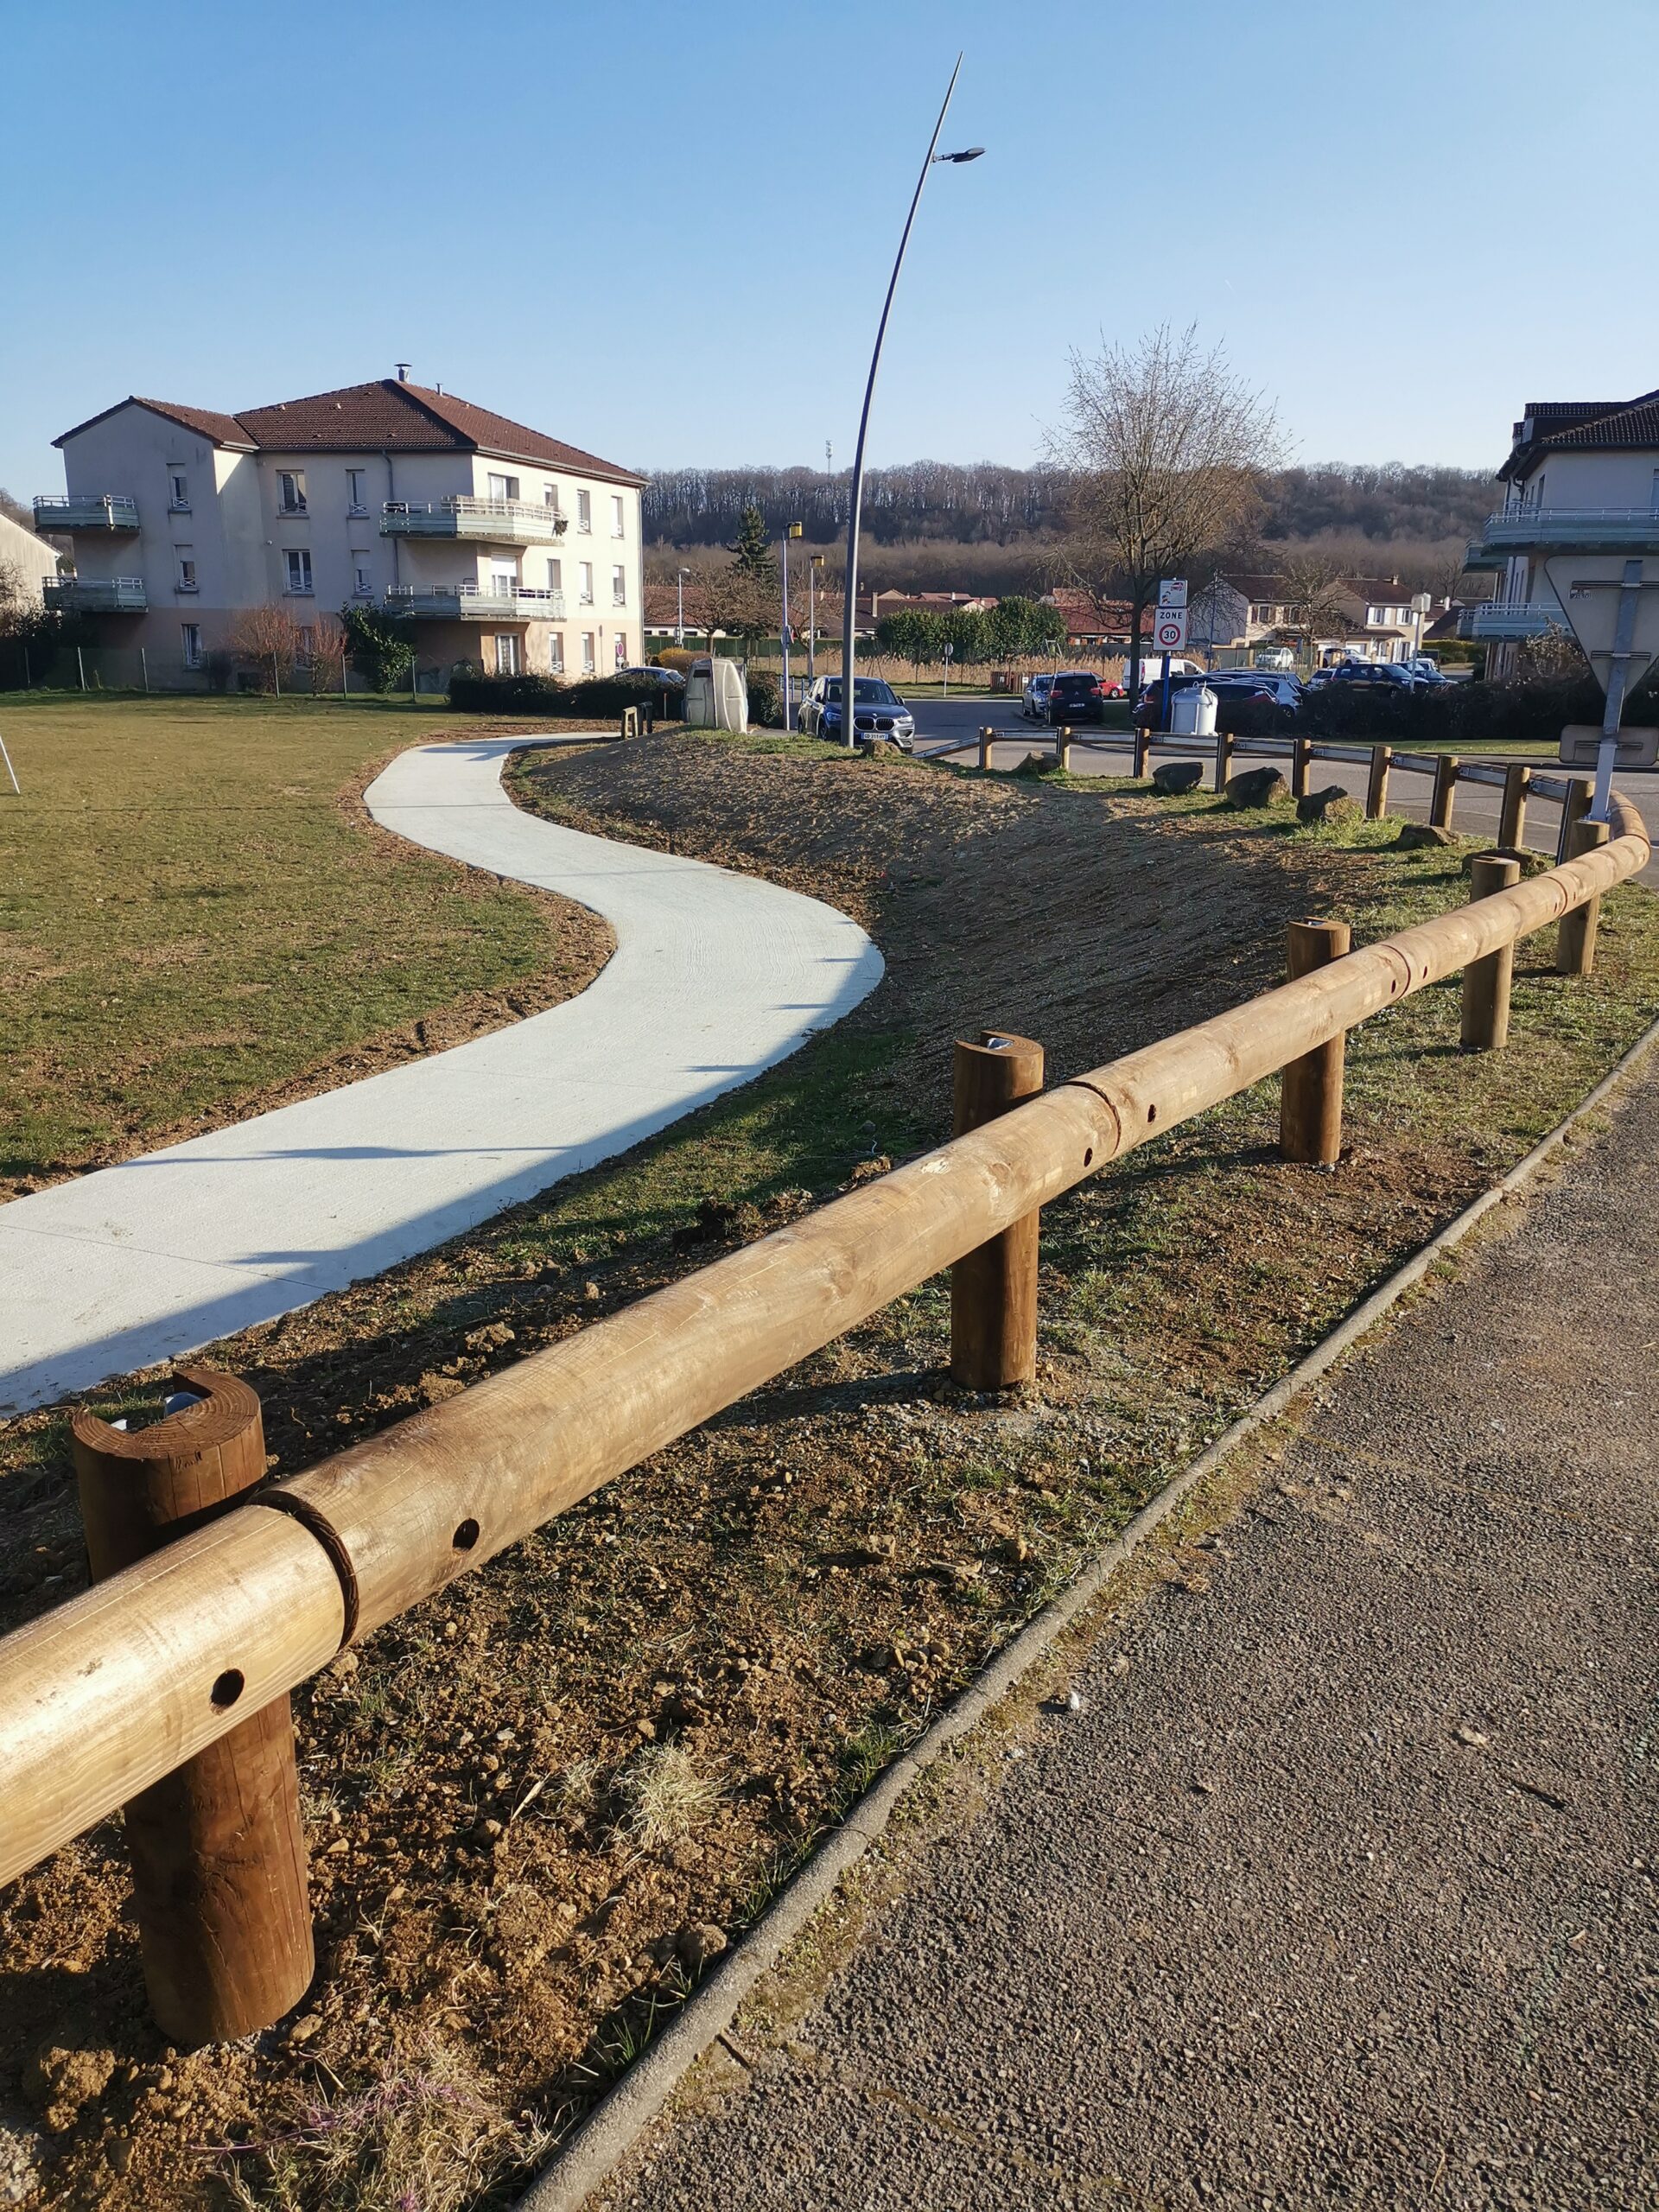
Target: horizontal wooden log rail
105	1695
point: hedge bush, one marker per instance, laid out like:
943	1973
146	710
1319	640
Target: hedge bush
765	701
604	695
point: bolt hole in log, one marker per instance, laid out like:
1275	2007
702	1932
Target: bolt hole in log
1152	1115
227	1688
1088	1157
466	1536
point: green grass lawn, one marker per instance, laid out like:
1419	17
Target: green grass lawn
189	914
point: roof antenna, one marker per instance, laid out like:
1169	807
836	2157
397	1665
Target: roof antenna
402	368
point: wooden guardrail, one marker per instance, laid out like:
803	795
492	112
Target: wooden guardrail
106	1696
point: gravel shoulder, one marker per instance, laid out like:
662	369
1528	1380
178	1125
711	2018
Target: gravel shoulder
1339	1887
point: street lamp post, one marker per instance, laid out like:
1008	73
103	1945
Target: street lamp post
679	623
849	612
814	569
793	530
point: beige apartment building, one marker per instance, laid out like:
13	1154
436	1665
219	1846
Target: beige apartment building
504	548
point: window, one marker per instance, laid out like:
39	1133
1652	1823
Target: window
587	653
550	496
506	654
555	574
555	653
187	568
585	584
504	578
178	490
616	516
354	491
618	586
584	511
503	487
362	576
298	561
190	638
291	491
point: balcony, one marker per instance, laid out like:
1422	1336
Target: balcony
472	602
1480	556
96	595
487	522
1498	622
109	513
1572	530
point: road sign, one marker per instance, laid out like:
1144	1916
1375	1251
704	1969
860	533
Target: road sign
1169	630
1172	593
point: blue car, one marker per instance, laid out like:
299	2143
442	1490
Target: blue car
877	711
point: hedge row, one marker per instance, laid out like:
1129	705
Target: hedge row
545	694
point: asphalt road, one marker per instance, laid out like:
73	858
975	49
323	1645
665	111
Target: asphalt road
1339	1888
942	726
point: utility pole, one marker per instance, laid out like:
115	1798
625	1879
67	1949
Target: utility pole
814	569
793	530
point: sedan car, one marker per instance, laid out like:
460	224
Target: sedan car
670	678
1075	696
877	711
1378	673
1033	705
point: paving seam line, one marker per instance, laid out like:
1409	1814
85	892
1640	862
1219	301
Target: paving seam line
627	2110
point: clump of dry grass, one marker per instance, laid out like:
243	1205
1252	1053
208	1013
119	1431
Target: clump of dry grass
425	2137
665	1795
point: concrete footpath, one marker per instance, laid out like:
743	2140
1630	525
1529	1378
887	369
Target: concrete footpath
1340	1890
715	977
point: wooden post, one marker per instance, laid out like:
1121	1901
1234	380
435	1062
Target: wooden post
1063	749
1574	807
1223	758
1309	1098
1486	981
994	1287
1444	793
217	1848
1512	822
1142	751
1575	934
1377	784
1300	755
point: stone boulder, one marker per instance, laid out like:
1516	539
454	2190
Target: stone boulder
1419	836
1256	787
1172	776
1332	804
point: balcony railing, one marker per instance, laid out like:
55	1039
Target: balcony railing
1480	556
1575	529
1498	620
491	522
96	595
472	602
105	511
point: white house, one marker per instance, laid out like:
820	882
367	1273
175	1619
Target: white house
503	547
1583	477
1367	618
26	561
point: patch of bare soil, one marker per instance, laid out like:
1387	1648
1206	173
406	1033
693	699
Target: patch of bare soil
541	1804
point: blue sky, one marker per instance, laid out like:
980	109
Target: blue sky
662	230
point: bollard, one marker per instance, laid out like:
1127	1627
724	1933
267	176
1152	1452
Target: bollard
217	1848
1574	807
1486	981
987	737
1142	752
1223	758
1301	754
1444	791
994	1287
1063	749
1512	821
630	724
1575	933
1309	1098
1377	784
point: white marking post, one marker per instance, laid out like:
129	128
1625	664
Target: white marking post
10	770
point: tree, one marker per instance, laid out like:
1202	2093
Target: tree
1018	629
378	645
1313	599
742	605
268	638
1164	450
750	551
911	633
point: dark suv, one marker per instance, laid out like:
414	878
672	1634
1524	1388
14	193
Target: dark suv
1076	697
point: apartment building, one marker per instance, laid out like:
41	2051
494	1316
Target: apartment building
504	548
1582	477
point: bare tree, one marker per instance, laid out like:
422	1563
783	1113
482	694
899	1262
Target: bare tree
1163	450
1313	598
267	637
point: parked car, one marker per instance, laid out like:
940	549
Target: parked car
1075	696
1269	683
1034	703
1424	671
877	711
1377	672
670	678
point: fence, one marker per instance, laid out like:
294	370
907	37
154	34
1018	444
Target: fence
95	669
154	1671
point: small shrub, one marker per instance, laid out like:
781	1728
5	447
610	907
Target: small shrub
665	1795
765	701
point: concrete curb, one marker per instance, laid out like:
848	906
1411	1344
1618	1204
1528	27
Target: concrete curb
617	2124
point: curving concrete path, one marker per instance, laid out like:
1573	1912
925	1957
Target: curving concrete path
715	977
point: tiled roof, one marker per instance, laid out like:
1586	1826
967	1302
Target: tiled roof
389	416
1637	424
1587	424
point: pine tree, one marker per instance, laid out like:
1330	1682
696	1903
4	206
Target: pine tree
752	551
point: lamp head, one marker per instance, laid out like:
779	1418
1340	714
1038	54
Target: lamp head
967	154
794	530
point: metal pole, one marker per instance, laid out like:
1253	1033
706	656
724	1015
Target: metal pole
275	676
812	568
855	489
1618	668
679	625
10	770
80	663
790	530
143	663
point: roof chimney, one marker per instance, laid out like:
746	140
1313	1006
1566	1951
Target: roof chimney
402	368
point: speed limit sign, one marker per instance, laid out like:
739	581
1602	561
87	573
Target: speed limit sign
1169	632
